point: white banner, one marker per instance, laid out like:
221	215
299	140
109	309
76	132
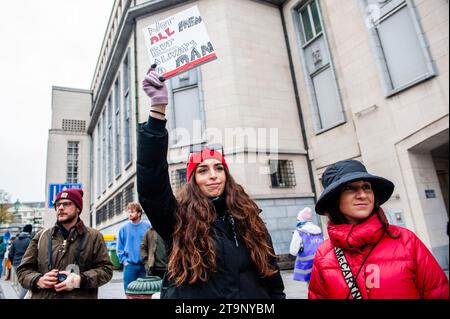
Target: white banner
178	43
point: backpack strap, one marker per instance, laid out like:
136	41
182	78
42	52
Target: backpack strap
49	252
40	236
80	248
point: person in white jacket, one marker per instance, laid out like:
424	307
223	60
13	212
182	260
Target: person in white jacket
306	238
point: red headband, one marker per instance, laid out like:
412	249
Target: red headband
198	157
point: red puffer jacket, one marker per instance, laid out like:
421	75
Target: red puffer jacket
397	268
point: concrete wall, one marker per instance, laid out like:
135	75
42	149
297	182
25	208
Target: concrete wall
280	216
69	103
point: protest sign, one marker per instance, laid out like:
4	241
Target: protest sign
178	43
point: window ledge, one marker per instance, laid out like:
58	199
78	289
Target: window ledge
318	35
409	85
127	166
283	187
186	87
318	132
184	144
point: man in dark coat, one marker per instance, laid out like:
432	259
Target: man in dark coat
17	251
153	254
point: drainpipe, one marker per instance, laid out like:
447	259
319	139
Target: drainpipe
136	84
299	108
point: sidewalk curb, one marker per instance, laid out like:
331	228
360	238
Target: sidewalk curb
7	291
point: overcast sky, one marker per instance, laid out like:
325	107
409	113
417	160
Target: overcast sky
44	43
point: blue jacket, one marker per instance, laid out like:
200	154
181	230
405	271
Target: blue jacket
129	241
310	237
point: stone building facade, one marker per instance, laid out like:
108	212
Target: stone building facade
297	86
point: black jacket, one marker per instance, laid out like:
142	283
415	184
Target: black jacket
236	276
18	248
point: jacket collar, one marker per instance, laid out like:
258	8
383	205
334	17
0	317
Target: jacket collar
348	236
24	235
79	227
220	204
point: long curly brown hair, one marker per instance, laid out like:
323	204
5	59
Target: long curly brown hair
193	255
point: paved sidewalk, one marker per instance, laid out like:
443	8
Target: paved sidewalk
7	289
292	288
114	289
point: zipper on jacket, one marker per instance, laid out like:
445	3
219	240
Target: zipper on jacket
64	246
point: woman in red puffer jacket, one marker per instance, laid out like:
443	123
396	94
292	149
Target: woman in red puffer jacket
387	261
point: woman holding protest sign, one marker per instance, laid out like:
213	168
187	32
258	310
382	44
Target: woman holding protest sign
218	245
365	257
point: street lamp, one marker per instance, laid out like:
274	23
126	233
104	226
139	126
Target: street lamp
17	206
16	211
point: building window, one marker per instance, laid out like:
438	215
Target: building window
118	203
128	195
310	20
127	116
97	217
104	164
73	125
184	110
118	141
111	209
72	162
282	173
178	179
99	159
110	141
329	111
91	171
101	215
399	44
325	99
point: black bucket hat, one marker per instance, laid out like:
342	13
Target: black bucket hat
343	172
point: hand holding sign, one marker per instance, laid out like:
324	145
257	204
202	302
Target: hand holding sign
179	43
153	85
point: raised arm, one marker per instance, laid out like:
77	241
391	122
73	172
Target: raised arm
153	185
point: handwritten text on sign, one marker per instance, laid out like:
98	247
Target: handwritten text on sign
179	43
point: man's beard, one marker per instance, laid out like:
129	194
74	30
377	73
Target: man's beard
68	220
